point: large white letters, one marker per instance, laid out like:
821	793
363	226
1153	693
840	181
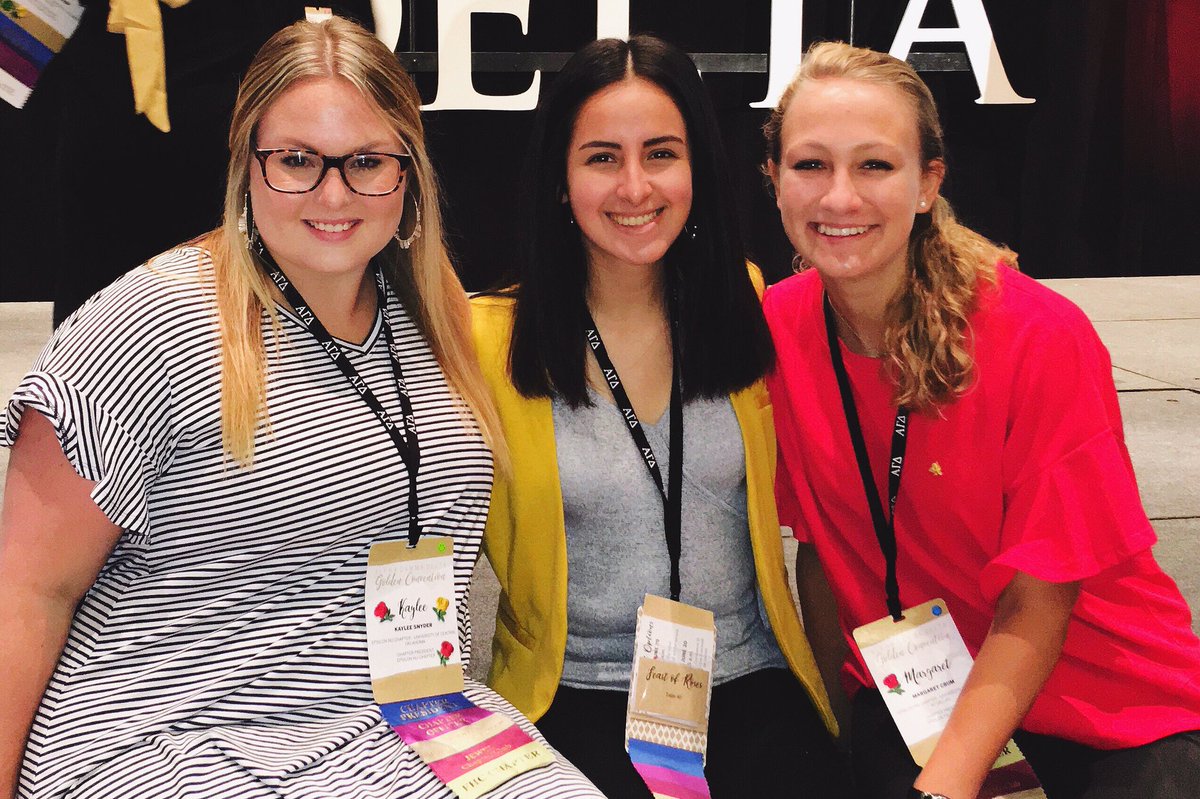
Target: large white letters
787	46
455	90
389	16
612	19
974	31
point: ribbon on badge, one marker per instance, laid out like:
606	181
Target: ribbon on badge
417	676
666	728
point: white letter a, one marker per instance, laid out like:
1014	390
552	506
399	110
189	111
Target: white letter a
975	32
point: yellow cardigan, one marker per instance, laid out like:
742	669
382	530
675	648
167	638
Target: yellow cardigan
525	537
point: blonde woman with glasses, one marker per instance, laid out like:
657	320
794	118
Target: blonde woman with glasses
201	463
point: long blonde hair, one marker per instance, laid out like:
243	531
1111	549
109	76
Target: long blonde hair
925	340
423	276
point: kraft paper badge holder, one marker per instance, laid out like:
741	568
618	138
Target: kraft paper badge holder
920	664
666	727
417	674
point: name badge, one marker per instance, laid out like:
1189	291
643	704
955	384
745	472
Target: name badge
671	684
920	665
417	674
412	621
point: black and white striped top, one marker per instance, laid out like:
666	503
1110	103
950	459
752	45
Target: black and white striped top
221	651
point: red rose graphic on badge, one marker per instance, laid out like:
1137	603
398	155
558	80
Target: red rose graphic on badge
893	685
382	613
445	652
440	607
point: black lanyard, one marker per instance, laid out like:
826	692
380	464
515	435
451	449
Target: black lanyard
672	494
406	443
885	526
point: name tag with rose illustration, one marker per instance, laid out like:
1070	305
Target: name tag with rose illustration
417	674
920	665
412	621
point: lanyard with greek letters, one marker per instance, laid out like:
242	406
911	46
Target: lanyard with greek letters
885	526
406	442
672	494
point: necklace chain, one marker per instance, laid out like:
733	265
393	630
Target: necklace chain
868	351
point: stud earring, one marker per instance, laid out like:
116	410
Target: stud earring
923	203
405	243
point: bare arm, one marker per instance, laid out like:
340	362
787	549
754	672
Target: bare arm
819	609
53	542
1016	658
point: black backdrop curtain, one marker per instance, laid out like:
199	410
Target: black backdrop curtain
90	189
1098	177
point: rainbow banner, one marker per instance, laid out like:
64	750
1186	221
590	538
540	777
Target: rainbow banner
669	773
31	33
470	749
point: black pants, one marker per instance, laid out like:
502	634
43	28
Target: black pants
765	739
1165	769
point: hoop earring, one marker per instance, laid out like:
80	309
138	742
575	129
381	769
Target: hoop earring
405	243
799	264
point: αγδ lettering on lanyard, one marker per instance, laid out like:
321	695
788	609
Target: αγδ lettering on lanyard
885	523
404	436
672	493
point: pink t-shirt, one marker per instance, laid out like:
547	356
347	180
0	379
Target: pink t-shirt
1028	471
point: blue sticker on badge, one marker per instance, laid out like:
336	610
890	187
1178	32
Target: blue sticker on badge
937	610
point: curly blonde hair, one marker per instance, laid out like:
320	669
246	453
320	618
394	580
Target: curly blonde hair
423	276
925	341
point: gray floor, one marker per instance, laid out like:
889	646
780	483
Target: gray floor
1151	327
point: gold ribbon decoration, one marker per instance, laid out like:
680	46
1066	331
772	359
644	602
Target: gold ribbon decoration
141	23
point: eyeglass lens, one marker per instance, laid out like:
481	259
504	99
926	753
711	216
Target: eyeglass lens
365	173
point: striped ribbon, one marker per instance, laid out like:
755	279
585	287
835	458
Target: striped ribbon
470	749
669	773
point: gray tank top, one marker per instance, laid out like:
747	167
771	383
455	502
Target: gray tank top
616	546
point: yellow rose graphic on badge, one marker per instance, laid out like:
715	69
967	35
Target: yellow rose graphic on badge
440	607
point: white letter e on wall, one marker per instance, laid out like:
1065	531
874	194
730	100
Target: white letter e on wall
975	32
455	89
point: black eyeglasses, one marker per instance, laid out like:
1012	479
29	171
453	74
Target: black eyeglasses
300	171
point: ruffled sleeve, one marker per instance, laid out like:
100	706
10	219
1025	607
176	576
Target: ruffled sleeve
103	382
1072	507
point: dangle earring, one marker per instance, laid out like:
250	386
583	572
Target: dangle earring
405	243
691	229
248	229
